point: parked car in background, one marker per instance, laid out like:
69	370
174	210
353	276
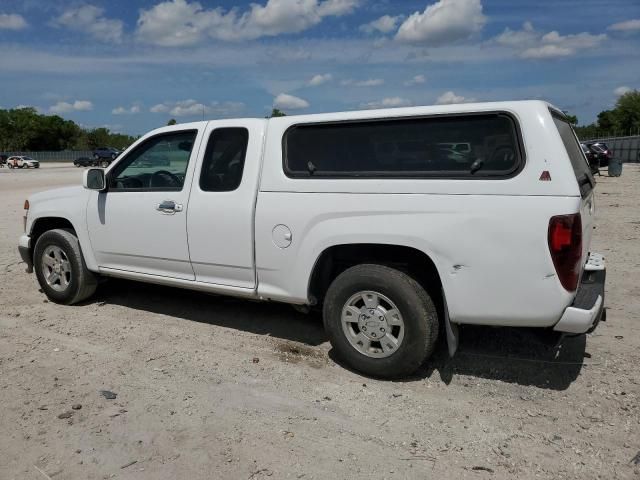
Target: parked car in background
396	245
105	155
602	151
85	162
22	161
592	158
3	160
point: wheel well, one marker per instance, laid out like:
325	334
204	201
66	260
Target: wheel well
42	225
335	260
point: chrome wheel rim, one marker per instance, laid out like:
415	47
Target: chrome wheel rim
372	324
56	268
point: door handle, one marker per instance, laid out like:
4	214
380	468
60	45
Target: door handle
169	207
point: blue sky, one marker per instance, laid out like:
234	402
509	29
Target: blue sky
132	65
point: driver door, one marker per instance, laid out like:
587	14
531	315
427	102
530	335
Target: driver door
139	224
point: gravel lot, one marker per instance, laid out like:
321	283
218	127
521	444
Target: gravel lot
211	387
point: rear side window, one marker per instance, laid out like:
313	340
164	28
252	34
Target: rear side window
576	155
459	146
224	160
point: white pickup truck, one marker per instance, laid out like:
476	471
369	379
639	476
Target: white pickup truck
364	214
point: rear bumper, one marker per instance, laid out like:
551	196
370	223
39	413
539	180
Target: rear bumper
588	306
24	248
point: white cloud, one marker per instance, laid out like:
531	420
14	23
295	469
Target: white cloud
390	102
622	90
626	26
66	107
371	82
533	44
160	108
384	24
547	51
90	19
12	21
135	108
289	102
417	80
320	79
449	98
193	108
444	22
176	23
518	38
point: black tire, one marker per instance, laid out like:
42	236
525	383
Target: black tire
82	284
414	303
104	163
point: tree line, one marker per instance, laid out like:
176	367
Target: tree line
24	129
622	120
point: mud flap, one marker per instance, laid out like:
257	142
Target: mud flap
451	329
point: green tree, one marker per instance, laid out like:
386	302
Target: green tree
606	120
172	122
627	113
277	113
573	120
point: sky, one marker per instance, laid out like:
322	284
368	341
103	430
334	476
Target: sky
131	65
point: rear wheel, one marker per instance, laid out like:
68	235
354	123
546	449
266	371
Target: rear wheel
104	163
60	268
380	321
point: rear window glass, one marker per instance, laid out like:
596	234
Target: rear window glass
479	145
576	155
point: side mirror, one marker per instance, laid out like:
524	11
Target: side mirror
94	179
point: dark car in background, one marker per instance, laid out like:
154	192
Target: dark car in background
602	151
3	159
85	162
105	155
592	159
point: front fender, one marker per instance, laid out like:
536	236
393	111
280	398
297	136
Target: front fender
68	204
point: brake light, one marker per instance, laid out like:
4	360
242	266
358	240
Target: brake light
565	245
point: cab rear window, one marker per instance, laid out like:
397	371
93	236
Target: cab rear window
446	146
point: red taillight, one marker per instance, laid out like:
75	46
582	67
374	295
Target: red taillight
565	245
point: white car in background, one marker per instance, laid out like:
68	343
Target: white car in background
22	161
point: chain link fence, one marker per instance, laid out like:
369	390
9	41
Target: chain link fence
625	149
61	156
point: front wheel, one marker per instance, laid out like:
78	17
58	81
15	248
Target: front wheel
60	268
104	164
380	321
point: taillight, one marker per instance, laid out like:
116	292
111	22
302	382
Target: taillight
565	245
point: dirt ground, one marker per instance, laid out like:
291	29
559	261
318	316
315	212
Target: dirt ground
216	388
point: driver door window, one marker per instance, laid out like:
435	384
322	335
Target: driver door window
158	164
